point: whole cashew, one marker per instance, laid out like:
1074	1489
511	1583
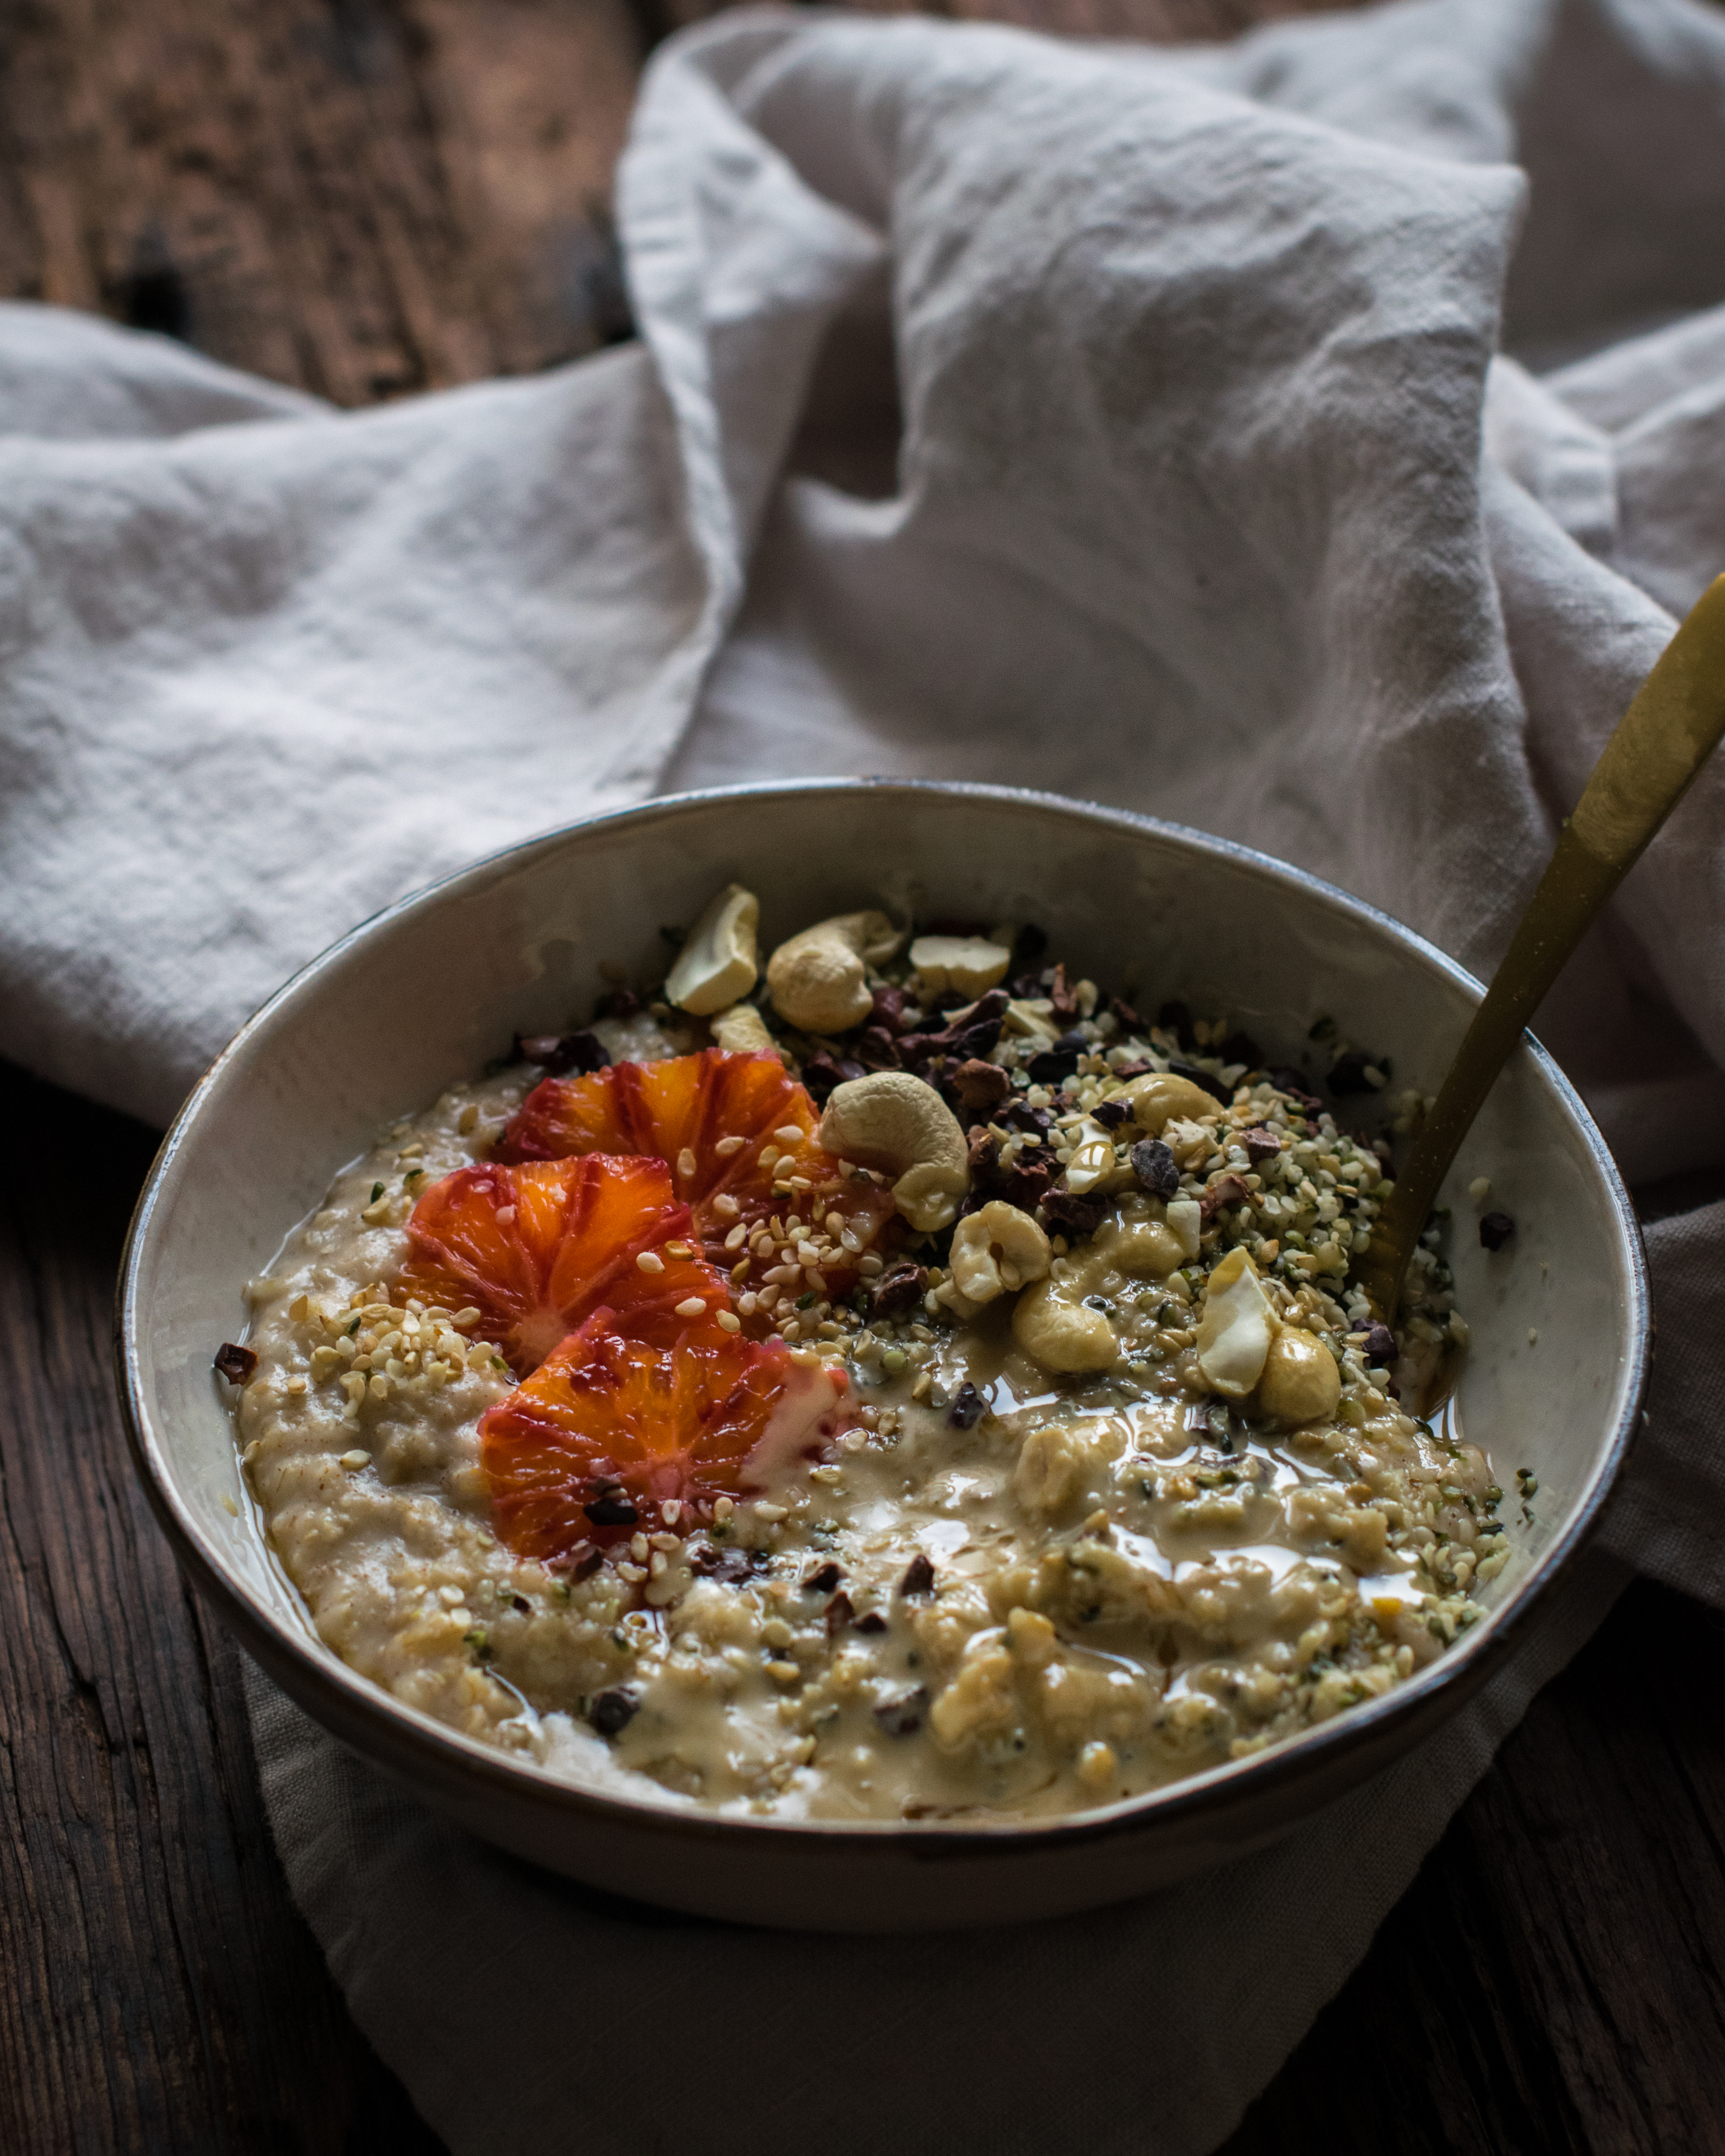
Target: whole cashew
898	1124
718	962
1301	1382
819	979
996	1250
1061	1333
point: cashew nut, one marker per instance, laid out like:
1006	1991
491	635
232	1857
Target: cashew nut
897	1124
819	979
1157	1097
743	1031
1301	1382
1052	1320
718	962
1237	1326
967	963
996	1250
1061	1333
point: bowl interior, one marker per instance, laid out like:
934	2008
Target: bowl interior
431	990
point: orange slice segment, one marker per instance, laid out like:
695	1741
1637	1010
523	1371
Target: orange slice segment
537	1248
636	1410
738	1134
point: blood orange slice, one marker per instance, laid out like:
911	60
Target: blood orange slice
537	1248
738	1133
639	1409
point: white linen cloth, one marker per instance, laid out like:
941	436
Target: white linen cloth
1312	440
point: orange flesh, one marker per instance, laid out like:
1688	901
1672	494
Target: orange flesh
667	1409
680	1110
576	1229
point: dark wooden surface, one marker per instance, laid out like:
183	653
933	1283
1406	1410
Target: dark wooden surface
366	197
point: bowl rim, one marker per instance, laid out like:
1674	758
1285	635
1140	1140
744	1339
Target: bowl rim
446	1752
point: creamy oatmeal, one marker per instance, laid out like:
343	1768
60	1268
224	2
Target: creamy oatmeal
907	1384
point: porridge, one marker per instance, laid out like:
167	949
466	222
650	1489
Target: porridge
900	1382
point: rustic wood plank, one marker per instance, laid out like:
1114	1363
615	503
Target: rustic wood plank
361	198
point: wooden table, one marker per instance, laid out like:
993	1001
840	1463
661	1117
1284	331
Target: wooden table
369	200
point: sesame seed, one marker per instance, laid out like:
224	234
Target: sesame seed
649	1262
789	1134
228	1507
736	1239
723	1507
691	1306
686	1164
728	1322
357	1459
727	1147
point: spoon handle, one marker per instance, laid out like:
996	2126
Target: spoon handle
1660	743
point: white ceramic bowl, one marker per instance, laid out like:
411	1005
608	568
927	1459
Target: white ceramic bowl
430	991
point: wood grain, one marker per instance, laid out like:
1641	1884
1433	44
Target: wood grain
361	198
1552	1983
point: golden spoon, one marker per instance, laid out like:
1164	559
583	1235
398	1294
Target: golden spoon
1661	742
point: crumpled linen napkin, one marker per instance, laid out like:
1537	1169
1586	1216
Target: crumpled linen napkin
1300	440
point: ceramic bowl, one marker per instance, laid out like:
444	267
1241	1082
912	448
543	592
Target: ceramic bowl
430	991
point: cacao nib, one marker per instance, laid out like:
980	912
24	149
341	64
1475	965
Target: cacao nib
1064	998
1072	1216
968	1408
1176	1019
1138	1070
1155	1167
520	1602
1054	1065
1379	1346
612	1712
1225	1190
984	1153
617	1003
731	1567
1125	1017
580	1560
1021	1116
1241	1048
823	1071
559	1054
822	1579
611	1508
1111	1114
1211	1084
888	1011
980	1086
870	1621
898	1291
919	1576
235	1363
1348	1073
903	1716
1260	1143
1026	1182
1287	1079
1496	1229
877	1051
1028	987
839	1612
